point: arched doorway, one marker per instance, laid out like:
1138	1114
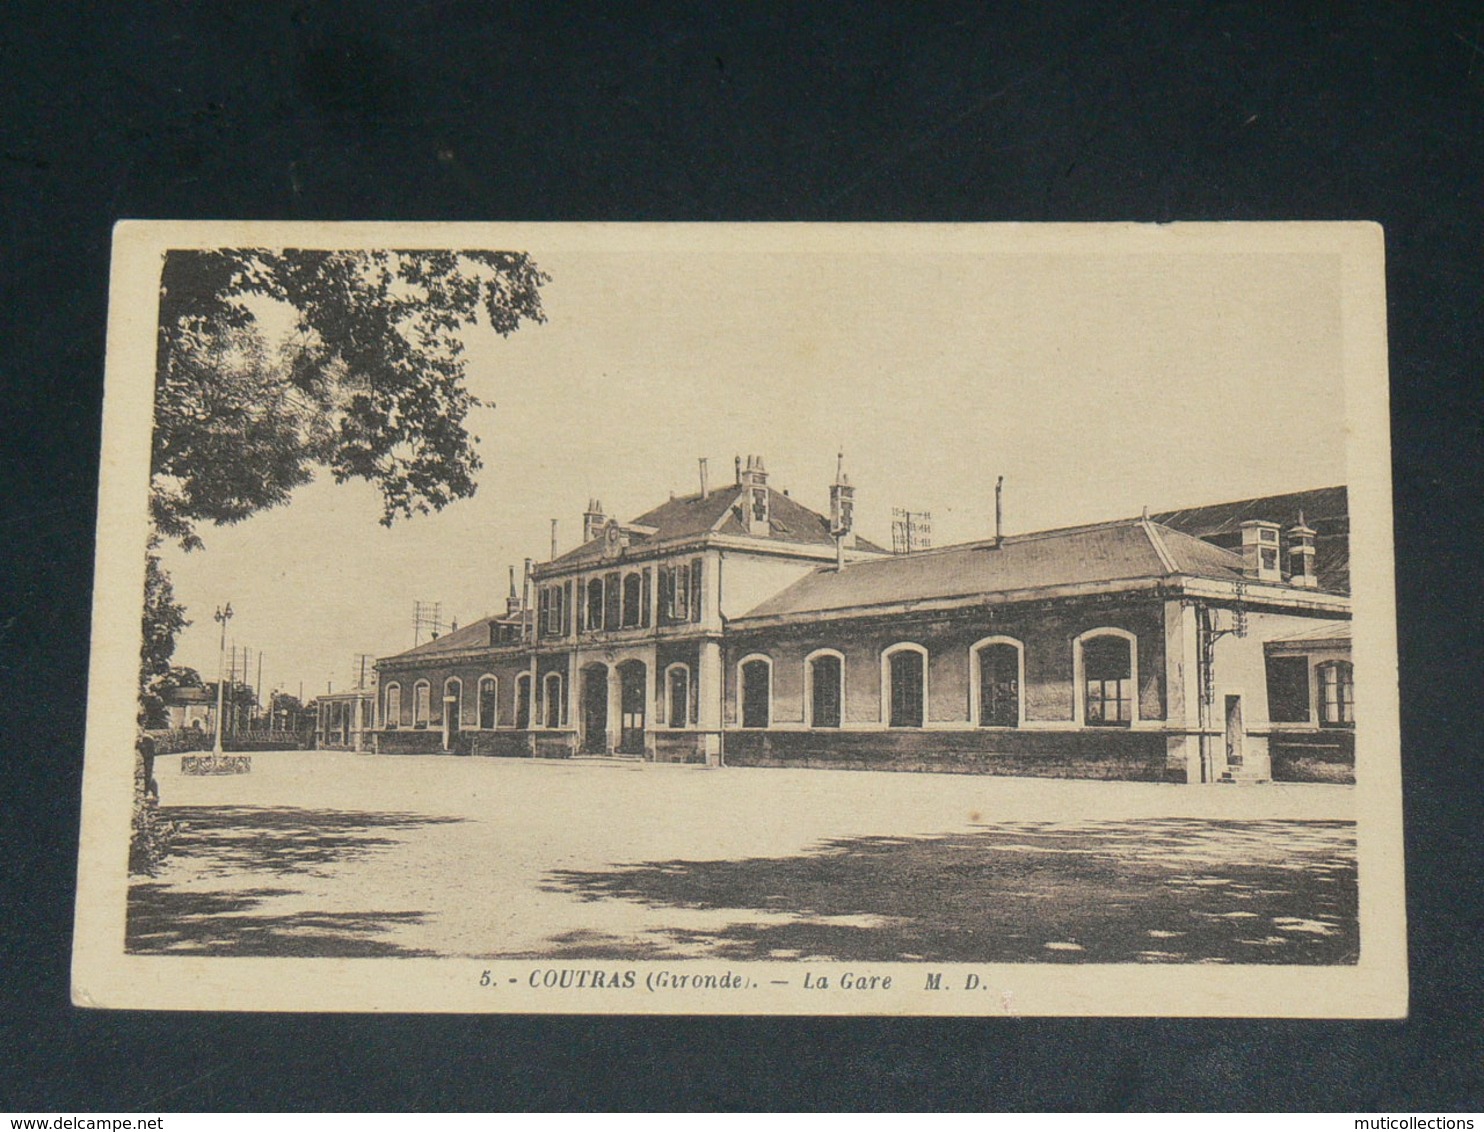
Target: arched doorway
631	694
453	704
595	709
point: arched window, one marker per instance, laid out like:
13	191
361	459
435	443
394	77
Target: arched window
1336	694
996	675
677	695
420	711
393	706
523	700
552	694
904	685
1108	664
632	600
489	712
755	677
824	687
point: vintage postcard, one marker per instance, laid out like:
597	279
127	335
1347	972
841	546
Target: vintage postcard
745	619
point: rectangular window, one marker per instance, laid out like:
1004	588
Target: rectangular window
523	700
594	604
1336	694
679	696
632	600
1108	673
906	689
756	694
551	608
824	691
1288	689
611	600
680	595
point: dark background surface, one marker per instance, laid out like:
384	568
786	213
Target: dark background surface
446	111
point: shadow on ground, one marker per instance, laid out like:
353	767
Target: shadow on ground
176	917
1154	891
284	839
162	921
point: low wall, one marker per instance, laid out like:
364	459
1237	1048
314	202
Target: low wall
1126	755
678	747
1328	756
172	741
498	744
270	741
409	742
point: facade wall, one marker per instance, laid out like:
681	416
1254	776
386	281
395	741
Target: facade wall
1047	636
1124	755
747	580
505	667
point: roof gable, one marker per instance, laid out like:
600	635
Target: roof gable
691	516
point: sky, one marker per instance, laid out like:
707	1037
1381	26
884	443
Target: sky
1095	383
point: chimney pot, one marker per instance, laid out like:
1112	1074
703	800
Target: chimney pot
1260	550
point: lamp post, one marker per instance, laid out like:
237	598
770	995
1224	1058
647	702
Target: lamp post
222	615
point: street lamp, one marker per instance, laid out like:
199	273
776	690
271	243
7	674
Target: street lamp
222	615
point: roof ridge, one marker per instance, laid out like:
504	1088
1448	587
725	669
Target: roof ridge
727	511
1156	540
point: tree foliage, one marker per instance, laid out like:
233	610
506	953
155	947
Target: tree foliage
164	618
369	382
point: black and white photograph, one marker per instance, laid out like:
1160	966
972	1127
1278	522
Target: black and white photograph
814	619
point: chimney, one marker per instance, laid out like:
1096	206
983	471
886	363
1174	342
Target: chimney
842	511
704	492
1260	550
999	511
1301	554
512	600
593	520
755	499
553	539
525	598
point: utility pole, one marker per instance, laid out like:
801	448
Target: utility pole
257	691
222	616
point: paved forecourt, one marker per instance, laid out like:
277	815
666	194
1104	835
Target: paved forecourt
456	856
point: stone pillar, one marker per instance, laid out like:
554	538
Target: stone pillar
533	700
615	710
708	717
1182	690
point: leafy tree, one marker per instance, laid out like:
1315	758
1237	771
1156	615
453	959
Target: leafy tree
369	383
164	618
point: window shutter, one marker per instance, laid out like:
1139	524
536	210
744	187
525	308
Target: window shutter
667	594
543	603
567	610
695	590
581	604
644	598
